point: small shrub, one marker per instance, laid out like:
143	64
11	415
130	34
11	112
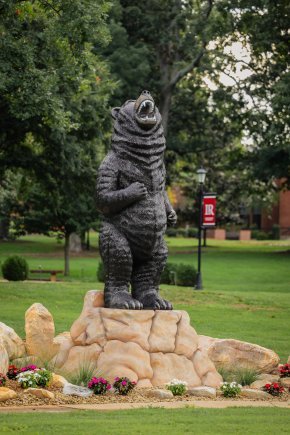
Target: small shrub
34	378
171	232
99	385
284	371
177	387
260	235
185	275
3	380
15	268
192	232
230	389
274	389
245	376
101	272
12	372
168	274
123	385
182	232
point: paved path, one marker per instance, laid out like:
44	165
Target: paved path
214	404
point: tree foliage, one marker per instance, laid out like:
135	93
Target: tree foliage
54	104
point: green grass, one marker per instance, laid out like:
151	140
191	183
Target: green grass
152	421
245	296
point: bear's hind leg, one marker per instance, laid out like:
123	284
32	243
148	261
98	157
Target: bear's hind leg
117	258
146	278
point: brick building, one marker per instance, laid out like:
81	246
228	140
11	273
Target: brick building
279	215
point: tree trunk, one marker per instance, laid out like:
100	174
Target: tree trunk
66	254
88	244
165	108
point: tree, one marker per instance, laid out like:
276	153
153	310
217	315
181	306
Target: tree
54	95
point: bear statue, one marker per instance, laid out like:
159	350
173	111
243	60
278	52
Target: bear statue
131	196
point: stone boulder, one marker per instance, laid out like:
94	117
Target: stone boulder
12	342
4	358
151	347
229	354
6	394
39	328
41	393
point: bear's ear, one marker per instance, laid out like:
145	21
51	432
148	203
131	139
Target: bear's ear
115	112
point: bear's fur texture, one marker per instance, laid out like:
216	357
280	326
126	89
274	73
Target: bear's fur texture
132	198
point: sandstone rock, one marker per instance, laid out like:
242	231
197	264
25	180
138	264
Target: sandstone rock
64	343
39	328
6	394
25	361
204	342
163	331
75	390
186	341
150	347
206	370
122	325
266	379
234	353
254	394
81	357
159	394
144	383
4	358
202	392
41	393
285	382
58	381
170	366
12	342
125	359
212	379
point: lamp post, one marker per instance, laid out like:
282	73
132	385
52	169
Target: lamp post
201	174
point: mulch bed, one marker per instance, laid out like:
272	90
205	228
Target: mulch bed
138	395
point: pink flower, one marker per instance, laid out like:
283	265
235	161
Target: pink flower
124	383
108	387
117	379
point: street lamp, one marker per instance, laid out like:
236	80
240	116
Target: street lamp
201	174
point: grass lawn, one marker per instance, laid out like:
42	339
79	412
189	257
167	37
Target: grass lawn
152	421
246	288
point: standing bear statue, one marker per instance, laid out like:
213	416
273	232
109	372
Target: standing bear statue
132	198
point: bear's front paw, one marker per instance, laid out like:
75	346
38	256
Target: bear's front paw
172	218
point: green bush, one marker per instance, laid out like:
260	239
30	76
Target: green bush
168	274
101	272
171	232
182	232
260	235
193	232
185	275
15	268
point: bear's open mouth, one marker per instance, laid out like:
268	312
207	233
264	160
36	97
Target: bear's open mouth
145	110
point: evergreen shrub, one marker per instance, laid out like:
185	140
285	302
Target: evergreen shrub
15	268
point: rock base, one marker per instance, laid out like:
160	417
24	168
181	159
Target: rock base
150	347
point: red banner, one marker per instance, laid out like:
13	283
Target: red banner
208	210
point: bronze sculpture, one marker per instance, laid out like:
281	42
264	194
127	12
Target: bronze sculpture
131	196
